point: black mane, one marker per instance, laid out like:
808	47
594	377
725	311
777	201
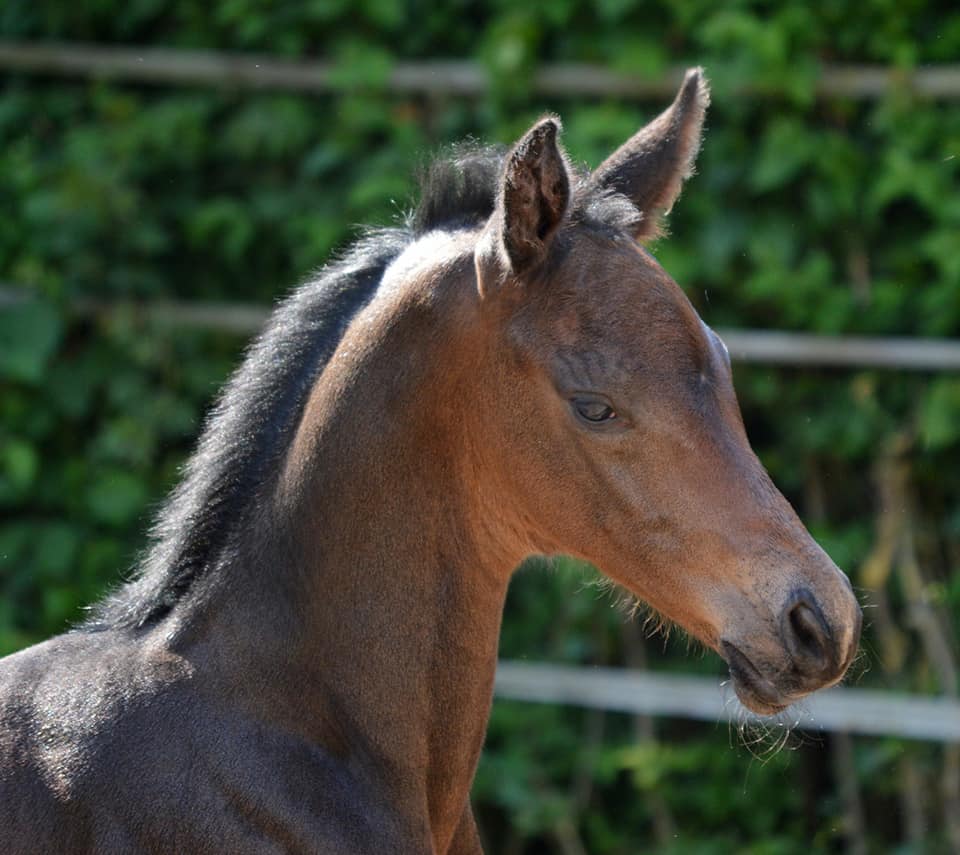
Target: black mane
256	415
459	189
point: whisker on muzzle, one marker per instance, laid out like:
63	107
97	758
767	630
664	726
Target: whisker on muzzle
764	736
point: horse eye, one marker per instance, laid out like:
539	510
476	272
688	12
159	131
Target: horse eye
594	410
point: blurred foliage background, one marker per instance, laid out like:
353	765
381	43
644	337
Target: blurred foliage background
835	215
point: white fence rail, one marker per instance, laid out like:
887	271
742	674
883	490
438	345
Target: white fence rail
171	66
861	711
793	348
759	346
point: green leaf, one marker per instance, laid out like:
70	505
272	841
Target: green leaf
940	414
787	147
29	333
116	498
18	465
55	550
360	66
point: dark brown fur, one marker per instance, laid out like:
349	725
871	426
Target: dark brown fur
306	662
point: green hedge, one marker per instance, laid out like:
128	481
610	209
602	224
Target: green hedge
836	216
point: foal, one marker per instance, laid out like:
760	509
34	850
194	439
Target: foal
305	662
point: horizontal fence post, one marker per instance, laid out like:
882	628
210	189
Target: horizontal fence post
862	711
764	347
175	66
794	348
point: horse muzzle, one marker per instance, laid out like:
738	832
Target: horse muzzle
812	648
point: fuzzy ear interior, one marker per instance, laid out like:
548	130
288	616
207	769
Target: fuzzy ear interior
534	195
650	167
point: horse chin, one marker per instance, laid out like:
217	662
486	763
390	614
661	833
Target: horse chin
754	690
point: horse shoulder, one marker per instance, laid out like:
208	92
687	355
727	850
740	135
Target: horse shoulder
108	745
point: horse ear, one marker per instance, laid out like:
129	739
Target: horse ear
534	194
650	167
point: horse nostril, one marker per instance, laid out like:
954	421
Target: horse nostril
805	627
808	637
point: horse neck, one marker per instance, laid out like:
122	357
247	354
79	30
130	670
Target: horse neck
392	577
405	612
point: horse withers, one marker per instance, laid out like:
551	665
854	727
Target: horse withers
305	660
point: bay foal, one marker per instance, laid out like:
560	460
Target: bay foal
305	661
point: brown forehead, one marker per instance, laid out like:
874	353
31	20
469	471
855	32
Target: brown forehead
607	306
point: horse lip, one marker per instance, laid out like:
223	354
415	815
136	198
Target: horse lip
754	690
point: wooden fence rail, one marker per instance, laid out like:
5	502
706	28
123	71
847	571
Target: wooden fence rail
757	346
846	710
170	66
